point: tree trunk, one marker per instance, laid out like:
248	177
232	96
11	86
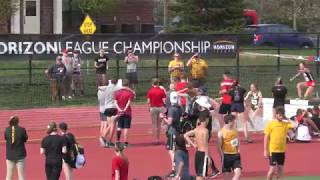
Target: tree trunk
165	14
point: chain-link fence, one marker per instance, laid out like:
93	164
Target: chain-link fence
24	59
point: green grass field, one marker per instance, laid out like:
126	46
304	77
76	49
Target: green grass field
17	92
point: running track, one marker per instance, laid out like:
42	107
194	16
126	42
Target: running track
145	159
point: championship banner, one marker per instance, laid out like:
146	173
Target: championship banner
165	44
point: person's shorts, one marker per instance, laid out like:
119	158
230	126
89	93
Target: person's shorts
170	145
225	109
132	77
231	162
237	107
155	112
310	83
201	163
277	159
109	112
103	117
275	105
124	121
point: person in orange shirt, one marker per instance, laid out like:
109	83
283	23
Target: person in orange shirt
275	142
228	148
176	67
198	70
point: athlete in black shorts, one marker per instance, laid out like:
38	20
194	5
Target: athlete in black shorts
279	92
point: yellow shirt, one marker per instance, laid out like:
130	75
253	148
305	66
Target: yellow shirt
277	132
230	142
176	72
198	68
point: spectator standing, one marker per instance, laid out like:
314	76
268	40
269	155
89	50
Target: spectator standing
16	137
120	164
225	86
132	60
57	73
199	69
279	92
176	67
68	160
182	89
172	120
110	112
237	94
123	98
181	160
101	65
53	146
102	94
156	99
77	81
67	61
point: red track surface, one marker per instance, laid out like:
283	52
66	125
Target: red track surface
145	159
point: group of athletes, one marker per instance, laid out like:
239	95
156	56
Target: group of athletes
187	112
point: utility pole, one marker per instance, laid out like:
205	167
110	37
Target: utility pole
21	9
165	15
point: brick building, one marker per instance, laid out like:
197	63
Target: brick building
61	16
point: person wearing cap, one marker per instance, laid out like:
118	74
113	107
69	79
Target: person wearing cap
101	65
120	164
67	61
156	98
16	137
172	120
56	73
53	146
68	159
175	67
131	60
77	81
198	70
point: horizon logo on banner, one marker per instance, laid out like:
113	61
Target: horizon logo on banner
88	27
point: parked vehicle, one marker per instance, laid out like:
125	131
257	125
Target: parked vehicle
278	35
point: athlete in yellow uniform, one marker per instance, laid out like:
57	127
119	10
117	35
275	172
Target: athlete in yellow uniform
228	148
275	142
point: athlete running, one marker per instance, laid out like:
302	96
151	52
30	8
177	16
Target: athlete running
309	83
254	106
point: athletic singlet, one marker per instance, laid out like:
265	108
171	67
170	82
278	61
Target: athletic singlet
230	142
254	99
308	76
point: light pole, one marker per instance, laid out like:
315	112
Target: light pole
165	14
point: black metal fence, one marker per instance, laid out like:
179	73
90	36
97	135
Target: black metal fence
24	58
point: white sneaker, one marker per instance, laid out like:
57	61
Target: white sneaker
63	98
69	97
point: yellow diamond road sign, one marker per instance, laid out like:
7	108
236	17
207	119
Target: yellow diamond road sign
88	26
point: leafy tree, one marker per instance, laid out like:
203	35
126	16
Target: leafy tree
208	15
97	6
6	9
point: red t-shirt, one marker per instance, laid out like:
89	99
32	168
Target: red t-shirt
156	96
120	164
122	96
226	85
180	86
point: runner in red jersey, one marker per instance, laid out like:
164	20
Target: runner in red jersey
309	83
225	86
